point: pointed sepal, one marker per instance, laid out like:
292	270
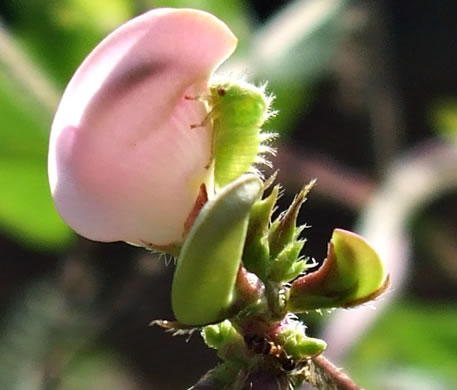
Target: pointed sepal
288	265
284	229
256	253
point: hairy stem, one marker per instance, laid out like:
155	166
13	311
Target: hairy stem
324	375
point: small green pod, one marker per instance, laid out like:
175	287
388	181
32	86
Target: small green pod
208	264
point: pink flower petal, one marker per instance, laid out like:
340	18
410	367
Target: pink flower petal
124	162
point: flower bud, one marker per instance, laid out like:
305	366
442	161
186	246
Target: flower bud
296	343
351	274
125	163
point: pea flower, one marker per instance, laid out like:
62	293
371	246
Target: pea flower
124	149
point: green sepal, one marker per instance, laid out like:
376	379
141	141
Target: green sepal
208	264
296	269
351	274
256	253
297	345
284	229
287	265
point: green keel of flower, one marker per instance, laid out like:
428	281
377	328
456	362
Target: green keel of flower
207	268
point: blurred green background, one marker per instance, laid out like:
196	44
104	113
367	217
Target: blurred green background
367	94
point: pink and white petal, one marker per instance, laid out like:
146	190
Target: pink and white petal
124	162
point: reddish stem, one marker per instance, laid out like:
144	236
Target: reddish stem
325	376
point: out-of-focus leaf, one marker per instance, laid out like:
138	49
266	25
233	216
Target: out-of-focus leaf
26	209
23	130
293	50
101	16
67	30
97	370
290	99
298	42
444	119
418	336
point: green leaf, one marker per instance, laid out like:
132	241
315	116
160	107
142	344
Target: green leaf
208	264
27	212
66	32
26	208
298	43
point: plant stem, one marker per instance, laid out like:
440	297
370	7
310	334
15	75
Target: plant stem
325	376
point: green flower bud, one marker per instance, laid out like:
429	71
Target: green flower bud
226	340
207	268
351	274
295	342
219	335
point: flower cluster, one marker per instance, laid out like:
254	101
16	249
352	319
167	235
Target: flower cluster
148	146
